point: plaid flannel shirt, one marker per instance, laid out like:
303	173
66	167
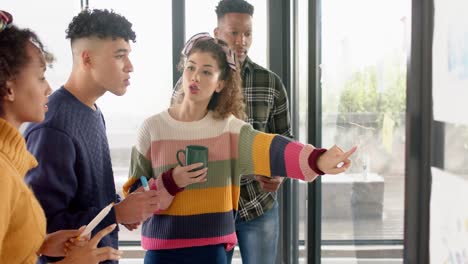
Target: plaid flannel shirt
267	110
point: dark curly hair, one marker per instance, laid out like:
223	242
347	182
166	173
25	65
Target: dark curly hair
100	23
14	55
231	99
233	6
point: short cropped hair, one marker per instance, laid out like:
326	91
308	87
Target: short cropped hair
100	23
233	6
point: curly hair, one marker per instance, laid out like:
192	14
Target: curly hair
101	24
230	100
14	55
233	6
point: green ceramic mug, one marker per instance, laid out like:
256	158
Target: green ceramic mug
194	154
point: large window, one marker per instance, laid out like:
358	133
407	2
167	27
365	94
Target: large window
364	54
364	47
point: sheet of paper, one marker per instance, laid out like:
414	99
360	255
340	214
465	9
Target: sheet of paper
450	61
448	218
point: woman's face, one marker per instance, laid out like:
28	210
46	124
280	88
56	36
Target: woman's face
28	90
201	77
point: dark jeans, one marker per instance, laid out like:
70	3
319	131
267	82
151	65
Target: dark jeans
213	254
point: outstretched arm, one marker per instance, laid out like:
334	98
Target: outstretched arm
269	154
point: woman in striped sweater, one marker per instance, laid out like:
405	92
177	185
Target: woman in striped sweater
196	221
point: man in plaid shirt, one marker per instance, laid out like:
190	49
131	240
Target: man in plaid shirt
267	109
257	223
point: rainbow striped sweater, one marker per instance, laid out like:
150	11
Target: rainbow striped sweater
203	213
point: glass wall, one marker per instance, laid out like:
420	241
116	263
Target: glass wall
302	83
364	47
363	80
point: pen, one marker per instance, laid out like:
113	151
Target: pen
96	220
144	182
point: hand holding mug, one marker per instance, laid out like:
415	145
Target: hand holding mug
186	175
194	169
194	154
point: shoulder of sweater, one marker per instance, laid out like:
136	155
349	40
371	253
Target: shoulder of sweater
56	109
60	117
154	118
235	124
152	121
10	180
46	128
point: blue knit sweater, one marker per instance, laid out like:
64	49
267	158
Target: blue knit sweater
74	179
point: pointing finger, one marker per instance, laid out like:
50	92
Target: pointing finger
349	153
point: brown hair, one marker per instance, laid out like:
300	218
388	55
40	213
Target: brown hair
230	100
14	55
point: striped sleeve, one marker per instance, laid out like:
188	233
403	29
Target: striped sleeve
270	154
140	164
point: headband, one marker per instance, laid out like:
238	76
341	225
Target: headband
230	56
5	20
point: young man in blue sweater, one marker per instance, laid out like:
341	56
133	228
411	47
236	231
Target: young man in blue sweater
74	179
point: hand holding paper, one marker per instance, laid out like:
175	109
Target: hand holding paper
97	219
